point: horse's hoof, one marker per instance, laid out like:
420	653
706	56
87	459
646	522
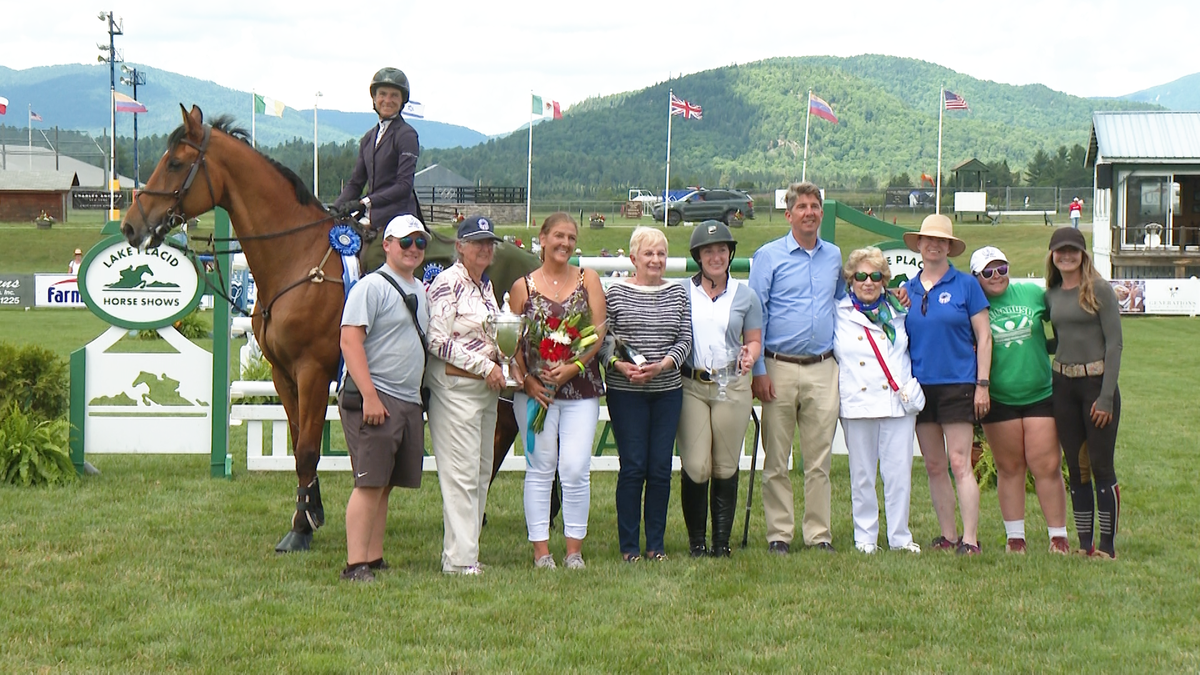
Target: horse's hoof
294	542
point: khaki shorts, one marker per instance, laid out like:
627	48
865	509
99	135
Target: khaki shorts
391	453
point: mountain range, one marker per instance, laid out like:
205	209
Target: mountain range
753	129
76	97
1181	94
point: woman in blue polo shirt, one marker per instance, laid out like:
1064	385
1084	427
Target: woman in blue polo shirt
950	342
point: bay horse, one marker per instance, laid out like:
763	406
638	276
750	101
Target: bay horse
284	232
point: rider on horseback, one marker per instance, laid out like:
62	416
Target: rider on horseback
387	160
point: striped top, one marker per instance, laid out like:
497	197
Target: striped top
655	320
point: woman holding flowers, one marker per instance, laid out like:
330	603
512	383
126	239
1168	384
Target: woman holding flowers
650	321
559	403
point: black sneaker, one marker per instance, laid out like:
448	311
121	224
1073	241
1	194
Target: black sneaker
698	551
824	546
361	572
380	564
968	549
779	548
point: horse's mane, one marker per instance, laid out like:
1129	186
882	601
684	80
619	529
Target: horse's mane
225	124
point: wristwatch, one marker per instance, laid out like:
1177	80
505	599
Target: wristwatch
983	383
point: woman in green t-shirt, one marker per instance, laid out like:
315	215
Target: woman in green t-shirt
1020	425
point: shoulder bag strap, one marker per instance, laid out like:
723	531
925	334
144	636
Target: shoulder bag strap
411	310
888	373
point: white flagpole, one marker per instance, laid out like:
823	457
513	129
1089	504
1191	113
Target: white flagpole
807	116
937	205
667	187
253	140
29	126
529	175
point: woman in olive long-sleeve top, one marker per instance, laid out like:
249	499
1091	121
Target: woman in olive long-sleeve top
1087	403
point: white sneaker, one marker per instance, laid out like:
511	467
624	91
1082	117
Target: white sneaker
545	562
911	547
866	548
465	570
574	561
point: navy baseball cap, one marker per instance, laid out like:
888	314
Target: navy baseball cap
477	228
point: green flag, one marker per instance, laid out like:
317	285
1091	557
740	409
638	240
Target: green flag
537	105
260	105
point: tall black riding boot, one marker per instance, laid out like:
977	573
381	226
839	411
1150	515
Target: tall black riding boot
694	499
724	503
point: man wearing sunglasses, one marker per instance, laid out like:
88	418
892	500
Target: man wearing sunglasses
383	329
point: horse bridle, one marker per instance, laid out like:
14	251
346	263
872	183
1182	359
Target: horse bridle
175	215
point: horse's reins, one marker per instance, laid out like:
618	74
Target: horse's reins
176	217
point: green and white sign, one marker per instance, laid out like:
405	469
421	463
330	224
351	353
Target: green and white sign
904	263
137	289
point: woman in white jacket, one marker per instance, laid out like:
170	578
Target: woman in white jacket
878	431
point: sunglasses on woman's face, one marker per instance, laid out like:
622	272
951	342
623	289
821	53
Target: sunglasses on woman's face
998	270
408	240
873	276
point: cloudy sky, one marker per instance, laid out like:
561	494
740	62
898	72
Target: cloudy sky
474	62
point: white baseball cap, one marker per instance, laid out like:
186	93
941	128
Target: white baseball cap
403	225
984	257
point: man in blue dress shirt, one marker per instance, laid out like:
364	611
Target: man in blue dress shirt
798	277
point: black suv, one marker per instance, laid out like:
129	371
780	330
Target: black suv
705	204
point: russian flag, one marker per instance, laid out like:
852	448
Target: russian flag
821	109
126	104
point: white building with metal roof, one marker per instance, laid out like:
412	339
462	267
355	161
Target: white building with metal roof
1146	203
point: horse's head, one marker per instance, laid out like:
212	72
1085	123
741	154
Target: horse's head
168	200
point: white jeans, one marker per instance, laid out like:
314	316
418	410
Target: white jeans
565	445
886	442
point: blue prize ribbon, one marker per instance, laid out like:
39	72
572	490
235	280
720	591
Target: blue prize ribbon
344	240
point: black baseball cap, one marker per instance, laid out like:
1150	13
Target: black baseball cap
477	228
1067	237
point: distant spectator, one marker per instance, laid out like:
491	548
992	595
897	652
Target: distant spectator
1076	210
73	266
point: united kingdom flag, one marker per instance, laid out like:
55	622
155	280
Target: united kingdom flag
684	109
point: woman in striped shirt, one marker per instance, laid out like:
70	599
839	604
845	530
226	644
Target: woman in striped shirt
649	320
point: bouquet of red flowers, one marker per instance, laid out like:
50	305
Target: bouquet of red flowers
559	340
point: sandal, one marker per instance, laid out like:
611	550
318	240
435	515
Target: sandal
631	557
656	556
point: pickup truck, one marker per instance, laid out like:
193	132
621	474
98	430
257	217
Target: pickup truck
644	196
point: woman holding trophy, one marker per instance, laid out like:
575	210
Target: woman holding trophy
558	403
726	320
464	378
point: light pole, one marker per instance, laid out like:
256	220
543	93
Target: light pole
115	28
316	171
133	78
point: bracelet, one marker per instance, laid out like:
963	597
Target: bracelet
612	361
580	364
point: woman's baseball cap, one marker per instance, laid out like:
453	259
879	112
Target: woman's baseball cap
1067	237
984	257
477	228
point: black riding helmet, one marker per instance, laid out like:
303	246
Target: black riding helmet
392	77
711	232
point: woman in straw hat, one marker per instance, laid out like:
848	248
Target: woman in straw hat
950	342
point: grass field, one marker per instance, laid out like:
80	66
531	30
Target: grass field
153	566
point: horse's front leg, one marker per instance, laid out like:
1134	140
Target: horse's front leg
306	415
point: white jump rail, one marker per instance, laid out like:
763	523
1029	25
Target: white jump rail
277	457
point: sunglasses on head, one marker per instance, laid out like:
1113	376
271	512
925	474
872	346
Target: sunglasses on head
873	276
408	240
998	270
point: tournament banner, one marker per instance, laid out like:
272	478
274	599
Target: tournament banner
16	290
94	200
1158	296
56	290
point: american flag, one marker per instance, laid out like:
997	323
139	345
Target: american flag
954	101
684	109
34	116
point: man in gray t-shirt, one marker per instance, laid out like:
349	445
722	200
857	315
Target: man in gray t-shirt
385	355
